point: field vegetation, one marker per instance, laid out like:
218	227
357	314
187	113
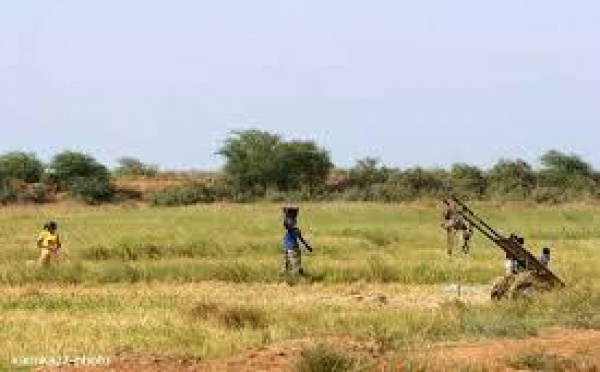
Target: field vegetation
203	281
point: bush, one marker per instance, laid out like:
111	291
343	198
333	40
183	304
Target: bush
511	180
467	180
187	194
367	172
8	191
12	190
549	195
21	166
36	193
91	190
258	160
404	186
231	316
322	358
129	166
71	167
301	165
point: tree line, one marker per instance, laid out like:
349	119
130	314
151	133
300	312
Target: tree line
264	166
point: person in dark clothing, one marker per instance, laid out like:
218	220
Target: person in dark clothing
292	254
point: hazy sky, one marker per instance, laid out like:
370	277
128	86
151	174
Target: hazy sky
410	82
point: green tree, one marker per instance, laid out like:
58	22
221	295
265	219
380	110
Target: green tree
368	171
467	180
250	158
70	166
83	177
514	179
91	190
130	166
415	182
21	166
301	164
257	160
572	164
566	171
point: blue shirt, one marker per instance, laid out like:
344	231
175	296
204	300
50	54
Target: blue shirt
290	239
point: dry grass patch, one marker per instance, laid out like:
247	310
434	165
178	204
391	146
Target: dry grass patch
231	316
323	358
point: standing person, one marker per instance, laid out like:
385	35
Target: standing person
292	255
450	219
454	223
49	244
466	232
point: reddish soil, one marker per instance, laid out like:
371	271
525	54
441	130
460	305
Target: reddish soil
579	348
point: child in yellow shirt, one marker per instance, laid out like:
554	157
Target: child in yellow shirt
49	244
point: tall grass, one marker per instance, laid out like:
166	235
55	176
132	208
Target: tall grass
204	280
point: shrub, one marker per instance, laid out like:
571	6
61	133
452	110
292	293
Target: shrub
511	179
21	166
91	190
129	166
367	172
8	191
301	165
36	193
187	194
322	358
69	167
467	180
550	195
417	182
238	317
257	160
231	316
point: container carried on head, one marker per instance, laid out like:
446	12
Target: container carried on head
290	215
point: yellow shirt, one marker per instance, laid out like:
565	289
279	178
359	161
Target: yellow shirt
49	240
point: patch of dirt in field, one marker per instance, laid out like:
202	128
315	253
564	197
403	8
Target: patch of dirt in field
142	363
557	350
419	297
280	357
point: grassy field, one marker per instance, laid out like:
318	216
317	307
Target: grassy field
204	281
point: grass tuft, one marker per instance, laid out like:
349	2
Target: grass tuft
231	316
322	358
543	361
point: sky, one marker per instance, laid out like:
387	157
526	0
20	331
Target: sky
425	82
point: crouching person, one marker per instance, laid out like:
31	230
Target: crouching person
49	244
292	254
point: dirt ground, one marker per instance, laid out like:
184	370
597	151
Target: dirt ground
575	350
557	350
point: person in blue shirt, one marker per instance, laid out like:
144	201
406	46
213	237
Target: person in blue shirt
545	258
292	255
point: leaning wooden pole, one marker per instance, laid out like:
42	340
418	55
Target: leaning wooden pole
508	245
